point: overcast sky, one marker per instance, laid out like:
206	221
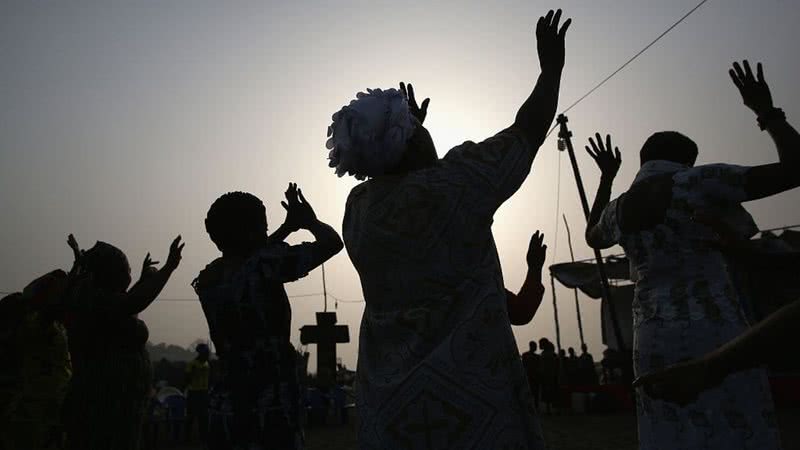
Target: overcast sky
122	121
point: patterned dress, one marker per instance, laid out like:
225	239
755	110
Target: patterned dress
438	366
685	305
256	404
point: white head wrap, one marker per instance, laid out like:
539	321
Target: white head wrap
368	136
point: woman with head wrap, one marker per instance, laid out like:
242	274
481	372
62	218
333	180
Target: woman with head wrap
256	403
438	365
105	405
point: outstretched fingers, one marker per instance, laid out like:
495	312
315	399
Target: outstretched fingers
739	72
736	80
302	197
424	106
556	19
748	72
563	31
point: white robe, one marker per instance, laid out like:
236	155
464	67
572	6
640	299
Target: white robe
438	366
685	306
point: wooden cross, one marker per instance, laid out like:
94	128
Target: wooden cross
326	334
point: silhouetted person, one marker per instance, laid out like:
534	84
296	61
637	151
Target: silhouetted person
548	375
685	301
523	306
435	335
571	367
197	393
256	404
107	397
34	365
586	369
530	361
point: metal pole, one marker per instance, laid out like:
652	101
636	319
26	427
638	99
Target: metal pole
566	136
577	305
324	289
555	312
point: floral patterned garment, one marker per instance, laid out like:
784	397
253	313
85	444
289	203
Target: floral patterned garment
685	305
256	403
438	366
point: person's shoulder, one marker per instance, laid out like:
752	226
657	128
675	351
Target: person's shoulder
211	275
507	137
714	170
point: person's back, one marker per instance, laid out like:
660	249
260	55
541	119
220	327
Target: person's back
680	275
685	303
256	401
438	365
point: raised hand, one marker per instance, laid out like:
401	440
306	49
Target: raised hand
73	244
754	90
537	251
550	41
299	213
148	267
608	161
419	112
174	258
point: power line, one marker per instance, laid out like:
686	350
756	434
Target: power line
620	68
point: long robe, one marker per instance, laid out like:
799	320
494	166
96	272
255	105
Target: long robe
438	366
685	305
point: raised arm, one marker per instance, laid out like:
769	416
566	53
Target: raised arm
609	163
770	179
300	215
145	291
522	307
536	115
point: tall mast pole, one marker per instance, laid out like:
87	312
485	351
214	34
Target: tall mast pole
324	289
566	136
577	305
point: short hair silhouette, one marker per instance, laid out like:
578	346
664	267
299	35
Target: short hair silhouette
108	267
669	146
234	218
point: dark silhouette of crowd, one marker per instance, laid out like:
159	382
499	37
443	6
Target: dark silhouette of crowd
436	345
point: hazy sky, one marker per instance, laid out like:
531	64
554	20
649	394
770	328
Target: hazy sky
122	121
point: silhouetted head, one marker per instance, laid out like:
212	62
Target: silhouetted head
376	134
419	154
669	146
532	346
584	348
108	267
237	222
562	353
543	343
571	351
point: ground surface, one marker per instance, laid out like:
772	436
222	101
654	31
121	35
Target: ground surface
573	432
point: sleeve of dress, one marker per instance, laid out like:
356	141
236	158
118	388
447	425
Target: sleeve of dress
718	190
292	262
494	168
607	228
717	185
